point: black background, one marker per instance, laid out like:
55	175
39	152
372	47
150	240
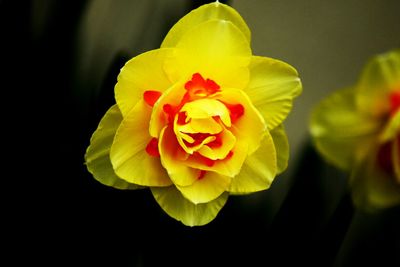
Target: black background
56	213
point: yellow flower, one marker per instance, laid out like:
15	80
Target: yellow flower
358	129
198	119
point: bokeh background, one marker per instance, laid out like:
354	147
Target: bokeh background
61	61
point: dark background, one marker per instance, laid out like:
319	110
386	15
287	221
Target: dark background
60	63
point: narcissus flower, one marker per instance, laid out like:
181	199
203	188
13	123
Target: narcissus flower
198	119
358	129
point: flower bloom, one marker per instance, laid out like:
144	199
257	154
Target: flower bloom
358	129
198	119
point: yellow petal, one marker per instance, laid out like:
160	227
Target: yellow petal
171	159
206	125
97	155
258	171
281	146
181	209
339	131
251	126
202	14
228	143
372	188
217	50
172	96
142	73
379	77
191	149
227	167
128	155
206	189
206	108
391	129
272	87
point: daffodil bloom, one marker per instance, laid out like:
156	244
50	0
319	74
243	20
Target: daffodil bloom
198	119
358	129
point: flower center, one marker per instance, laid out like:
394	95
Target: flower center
202	123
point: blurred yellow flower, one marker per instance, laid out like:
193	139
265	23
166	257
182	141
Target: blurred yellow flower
358	129
198	119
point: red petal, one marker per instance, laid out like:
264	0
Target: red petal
171	112
198	79
152	148
230	155
182	118
197	86
394	102
206	161
216	143
201	175
151	97
236	111
198	138
211	87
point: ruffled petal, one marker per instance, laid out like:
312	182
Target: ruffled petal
206	125
380	76
178	207
339	132
171	158
202	14
373	188
159	119
206	108
227	167
281	146
128	153
258	171
142	73
219	153
272	87
97	155
251	126
207	188
217	50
